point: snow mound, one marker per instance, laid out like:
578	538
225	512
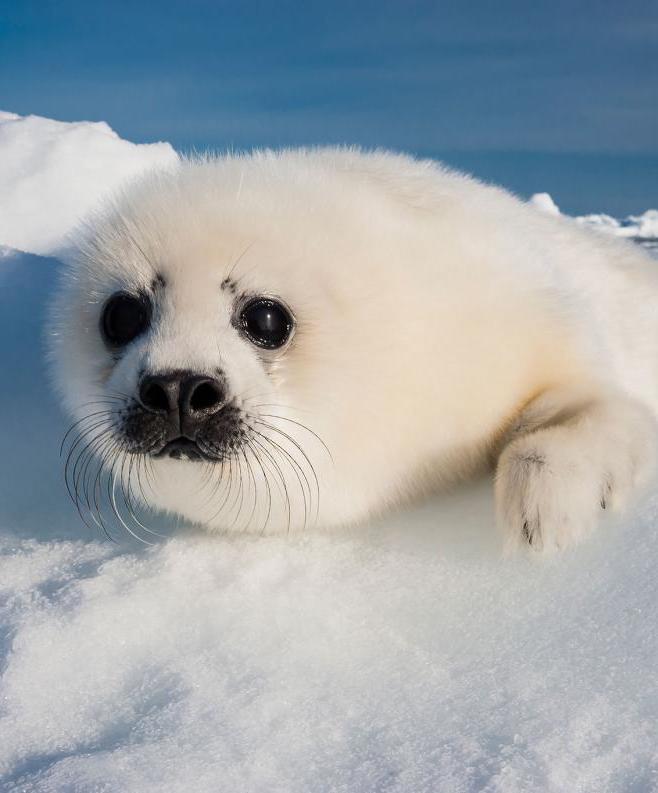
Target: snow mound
544	203
641	228
404	657
53	172
409	659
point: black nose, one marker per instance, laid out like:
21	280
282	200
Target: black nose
185	397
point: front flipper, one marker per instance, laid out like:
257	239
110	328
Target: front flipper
568	456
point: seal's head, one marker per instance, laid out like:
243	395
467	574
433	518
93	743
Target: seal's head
244	342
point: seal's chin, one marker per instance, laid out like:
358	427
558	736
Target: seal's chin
182	449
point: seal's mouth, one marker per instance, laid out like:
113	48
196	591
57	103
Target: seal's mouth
182	449
171	436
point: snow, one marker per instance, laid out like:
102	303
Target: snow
641	228
544	203
392	662
47	186
405	656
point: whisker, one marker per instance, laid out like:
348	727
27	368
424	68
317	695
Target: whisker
136	460
72	480
302	452
228	490
253	479
77	423
299	424
112	482
239	259
106	454
241	494
283	481
91	452
69	479
267	486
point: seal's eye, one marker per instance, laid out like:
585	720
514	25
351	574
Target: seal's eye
124	317
266	322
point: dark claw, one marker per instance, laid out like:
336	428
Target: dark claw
527	536
607	490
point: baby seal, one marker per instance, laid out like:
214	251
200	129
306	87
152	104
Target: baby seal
269	341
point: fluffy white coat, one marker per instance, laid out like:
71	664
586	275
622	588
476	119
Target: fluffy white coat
443	326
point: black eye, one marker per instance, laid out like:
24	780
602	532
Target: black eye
266	322
124	317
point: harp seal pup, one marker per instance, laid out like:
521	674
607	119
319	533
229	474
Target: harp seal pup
267	341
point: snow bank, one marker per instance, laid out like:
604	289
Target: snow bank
404	657
53	172
641	228
403	660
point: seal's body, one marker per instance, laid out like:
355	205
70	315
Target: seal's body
268	341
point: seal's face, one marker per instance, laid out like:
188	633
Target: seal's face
209	340
182	413
185	380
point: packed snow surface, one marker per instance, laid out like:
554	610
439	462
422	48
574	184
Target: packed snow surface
403	656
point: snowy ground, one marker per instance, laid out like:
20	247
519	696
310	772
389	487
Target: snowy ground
401	657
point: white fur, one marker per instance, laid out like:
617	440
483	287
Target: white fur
442	325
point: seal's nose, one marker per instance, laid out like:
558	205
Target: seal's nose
186	398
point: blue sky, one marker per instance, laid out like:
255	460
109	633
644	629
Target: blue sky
536	95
